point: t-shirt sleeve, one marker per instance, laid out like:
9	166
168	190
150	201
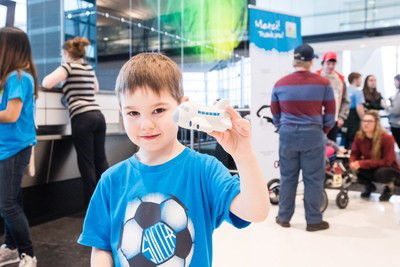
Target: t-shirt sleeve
96	227
15	88
222	189
67	67
360	98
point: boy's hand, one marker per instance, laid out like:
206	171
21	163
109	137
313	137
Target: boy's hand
236	141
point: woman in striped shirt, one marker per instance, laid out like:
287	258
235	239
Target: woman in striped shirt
87	122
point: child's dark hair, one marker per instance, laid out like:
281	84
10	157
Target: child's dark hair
15	55
151	71
76	47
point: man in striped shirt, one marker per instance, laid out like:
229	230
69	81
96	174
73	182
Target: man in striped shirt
303	108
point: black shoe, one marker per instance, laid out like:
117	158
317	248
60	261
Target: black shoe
386	194
281	223
317	226
368	190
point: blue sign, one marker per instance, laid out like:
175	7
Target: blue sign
269	30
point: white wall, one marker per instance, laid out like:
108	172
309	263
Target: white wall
378	56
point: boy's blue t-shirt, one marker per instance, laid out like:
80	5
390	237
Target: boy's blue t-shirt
20	134
356	97
161	215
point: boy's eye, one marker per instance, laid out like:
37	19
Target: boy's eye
159	110
132	113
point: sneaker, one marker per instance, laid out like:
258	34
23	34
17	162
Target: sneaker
317	226
386	194
27	261
368	190
282	223
8	256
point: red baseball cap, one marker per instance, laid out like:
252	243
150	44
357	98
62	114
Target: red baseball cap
329	56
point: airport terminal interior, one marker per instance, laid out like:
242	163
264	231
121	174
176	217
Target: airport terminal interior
225	49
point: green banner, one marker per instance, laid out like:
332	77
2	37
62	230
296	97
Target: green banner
212	28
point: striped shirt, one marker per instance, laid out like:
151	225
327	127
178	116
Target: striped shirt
303	98
78	88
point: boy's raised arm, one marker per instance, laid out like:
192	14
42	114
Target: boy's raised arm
252	203
101	258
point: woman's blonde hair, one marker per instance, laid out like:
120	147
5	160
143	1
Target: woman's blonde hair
76	47
376	136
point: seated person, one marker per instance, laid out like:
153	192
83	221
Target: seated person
373	156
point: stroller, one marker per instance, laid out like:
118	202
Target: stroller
338	174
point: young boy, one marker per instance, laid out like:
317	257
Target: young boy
161	206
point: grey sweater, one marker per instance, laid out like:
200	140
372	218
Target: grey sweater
394	111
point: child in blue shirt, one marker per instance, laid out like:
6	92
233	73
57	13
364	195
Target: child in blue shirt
161	206
18	92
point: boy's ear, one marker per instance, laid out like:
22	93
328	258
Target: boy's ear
184	99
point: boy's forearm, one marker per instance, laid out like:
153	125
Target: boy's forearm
252	204
101	258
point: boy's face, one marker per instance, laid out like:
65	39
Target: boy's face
358	82
148	119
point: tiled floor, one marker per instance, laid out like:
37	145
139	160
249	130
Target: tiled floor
365	234
55	243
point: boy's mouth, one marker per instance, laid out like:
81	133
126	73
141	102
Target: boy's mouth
150	137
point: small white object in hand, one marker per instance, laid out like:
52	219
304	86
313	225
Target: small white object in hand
191	115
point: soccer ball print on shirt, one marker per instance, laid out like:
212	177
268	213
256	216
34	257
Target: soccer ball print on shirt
157	232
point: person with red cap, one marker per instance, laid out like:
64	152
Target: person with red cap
339	88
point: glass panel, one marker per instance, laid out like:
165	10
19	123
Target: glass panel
80	20
3	15
324	16
205	38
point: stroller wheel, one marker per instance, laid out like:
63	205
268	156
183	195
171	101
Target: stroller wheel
324	203
342	200
274	187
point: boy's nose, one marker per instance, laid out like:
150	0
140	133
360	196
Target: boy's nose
147	123
175	116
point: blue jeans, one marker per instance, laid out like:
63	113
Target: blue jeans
16	227
301	147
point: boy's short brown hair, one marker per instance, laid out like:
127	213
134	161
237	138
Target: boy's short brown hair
152	71
353	76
